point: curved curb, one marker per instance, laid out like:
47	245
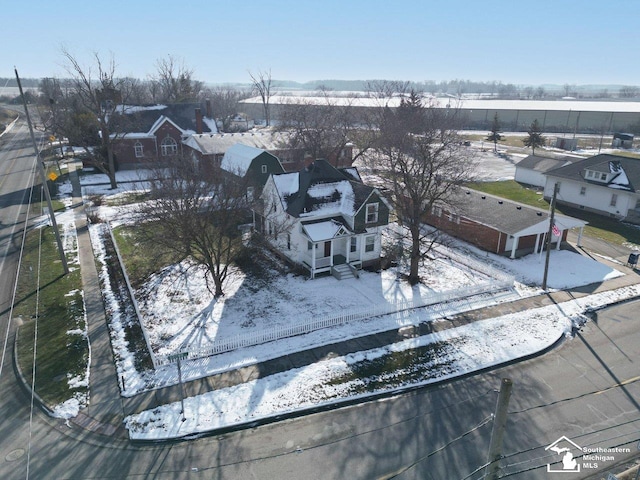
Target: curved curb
348	402
23	381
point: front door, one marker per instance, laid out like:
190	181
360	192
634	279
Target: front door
327	249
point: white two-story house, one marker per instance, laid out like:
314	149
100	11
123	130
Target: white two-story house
322	217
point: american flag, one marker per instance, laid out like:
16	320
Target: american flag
555	230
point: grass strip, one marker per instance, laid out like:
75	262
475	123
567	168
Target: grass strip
62	347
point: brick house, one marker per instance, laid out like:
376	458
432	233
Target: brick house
145	135
498	225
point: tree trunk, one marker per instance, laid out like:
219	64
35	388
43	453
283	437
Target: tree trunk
414	276
218	283
112	169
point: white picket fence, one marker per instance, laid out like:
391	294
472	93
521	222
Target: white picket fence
317	323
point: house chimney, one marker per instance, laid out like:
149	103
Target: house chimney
208	104
198	121
308	160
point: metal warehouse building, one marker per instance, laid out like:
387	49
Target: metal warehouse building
515	115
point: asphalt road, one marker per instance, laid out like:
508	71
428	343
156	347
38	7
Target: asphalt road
587	389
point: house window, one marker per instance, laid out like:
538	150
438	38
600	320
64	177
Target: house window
354	244
288	241
309	245
372	212
614	200
589	174
250	193
583	190
168	147
139	149
603	176
437	211
264	169
369	243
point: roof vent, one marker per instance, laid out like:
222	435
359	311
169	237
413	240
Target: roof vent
519	207
539	214
500	202
468	192
483	197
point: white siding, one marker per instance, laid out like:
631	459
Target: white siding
596	197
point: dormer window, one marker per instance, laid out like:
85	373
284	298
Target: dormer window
601	177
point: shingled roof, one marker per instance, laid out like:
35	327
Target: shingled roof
626	170
544	164
143	118
504	215
320	188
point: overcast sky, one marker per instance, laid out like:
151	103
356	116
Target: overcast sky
513	41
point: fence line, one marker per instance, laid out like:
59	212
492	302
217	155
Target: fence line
317	323
132	296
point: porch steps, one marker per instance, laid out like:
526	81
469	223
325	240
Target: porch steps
342	272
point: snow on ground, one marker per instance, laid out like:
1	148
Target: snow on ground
69	238
180	312
466	349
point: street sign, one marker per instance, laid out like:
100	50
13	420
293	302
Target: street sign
52	176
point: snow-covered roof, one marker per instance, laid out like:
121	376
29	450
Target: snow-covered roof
237	159
322	231
621	180
219	143
331	199
286	185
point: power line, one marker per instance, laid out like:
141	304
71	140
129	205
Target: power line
15	285
35	350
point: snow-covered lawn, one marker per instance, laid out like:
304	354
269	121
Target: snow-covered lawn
180	313
442	355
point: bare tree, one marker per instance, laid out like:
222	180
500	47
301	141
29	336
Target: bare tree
96	95
261	85
174	82
196	217
421	162
224	102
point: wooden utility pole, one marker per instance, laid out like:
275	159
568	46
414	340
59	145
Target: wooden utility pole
43	178
548	242
497	432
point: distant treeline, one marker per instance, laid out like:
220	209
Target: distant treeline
449	87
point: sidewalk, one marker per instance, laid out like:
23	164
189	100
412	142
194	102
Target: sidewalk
107	408
104	414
